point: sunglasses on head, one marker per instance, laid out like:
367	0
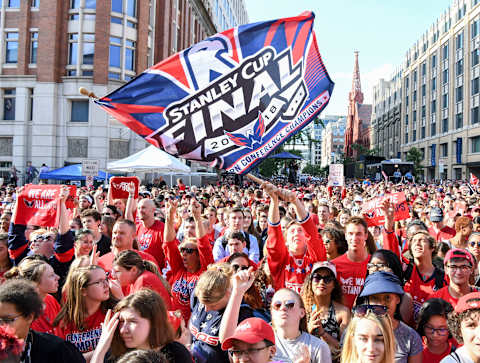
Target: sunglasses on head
289	304
188	251
327	278
362	310
239	267
473	243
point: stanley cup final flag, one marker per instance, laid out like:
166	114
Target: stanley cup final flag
230	99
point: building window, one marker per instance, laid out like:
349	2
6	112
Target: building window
406	138
115	52
414	116
79	111
77	148
433	129
116	20
433	61
433	107
117	6
13	4
475	85
414	136
73	49
424	111
459	94
422	153
445	76
423	132
113	75
132	8
434	84
475	144
88	48
475	28
119	149
445	124
475	115
130	55
459	120
90	4
445	100
9	104
75	4
445	51
475	57
444	150
11	47
33	47
6	146
30	106
35	4
458	173
459	67
459	41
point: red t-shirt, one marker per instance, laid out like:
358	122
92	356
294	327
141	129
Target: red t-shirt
43	323
351	276
287	270
85	340
150	240
106	261
150	281
444	294
430	357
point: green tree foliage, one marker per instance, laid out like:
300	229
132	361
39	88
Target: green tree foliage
415	155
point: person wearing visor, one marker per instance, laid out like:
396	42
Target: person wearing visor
459	265
464	323
384	288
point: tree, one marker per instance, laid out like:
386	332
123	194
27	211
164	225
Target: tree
415	155
312	169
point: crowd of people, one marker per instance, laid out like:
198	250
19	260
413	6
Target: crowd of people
257	273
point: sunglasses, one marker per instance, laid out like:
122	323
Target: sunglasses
188	251
431	330
239	267
473	243
289	304
327	279
376	266
362	310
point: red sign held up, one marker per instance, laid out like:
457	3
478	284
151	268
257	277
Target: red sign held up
373	213
119	185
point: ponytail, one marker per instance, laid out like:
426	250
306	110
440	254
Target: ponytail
13	273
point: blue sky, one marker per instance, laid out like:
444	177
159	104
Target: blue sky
381	30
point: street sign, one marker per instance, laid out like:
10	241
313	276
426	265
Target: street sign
335	175
441	166
89	167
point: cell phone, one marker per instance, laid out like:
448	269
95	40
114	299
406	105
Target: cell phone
314	307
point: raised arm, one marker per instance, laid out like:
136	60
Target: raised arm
98	201
63	226
196	208
17	243
63	247
170	243
131	202
390	241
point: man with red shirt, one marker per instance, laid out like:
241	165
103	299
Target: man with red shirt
150	231
352	265
438	231
123	235
459	265
290	261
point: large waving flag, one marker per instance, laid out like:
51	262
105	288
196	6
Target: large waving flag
231	99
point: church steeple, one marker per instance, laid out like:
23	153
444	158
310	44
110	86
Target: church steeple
356	94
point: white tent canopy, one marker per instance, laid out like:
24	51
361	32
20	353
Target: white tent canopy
150	159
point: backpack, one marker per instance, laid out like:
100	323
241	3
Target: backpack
439	276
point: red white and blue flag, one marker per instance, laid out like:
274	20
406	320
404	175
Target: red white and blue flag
231	99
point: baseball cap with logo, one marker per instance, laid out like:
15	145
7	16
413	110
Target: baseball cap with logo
325	264
468	302
459	253
436	214
251	331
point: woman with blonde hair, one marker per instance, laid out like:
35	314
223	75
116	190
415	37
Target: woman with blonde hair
369	337
208	305
87	300
46	280
139	321
133	274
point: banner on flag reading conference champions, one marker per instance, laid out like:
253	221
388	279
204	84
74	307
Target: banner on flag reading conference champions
232	98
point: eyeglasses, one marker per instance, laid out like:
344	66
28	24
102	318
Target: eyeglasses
239	267
473	243
362	310
188	251
289	304
431	330
376	266
462	268
248	352
9	320
327	279
99	282
43	237
107	214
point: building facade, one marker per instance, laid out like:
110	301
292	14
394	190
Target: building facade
358	117
50	48
440	94
333	142
316	134
386	116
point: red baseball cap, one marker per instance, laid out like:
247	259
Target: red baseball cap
468	302
459	253
251	331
